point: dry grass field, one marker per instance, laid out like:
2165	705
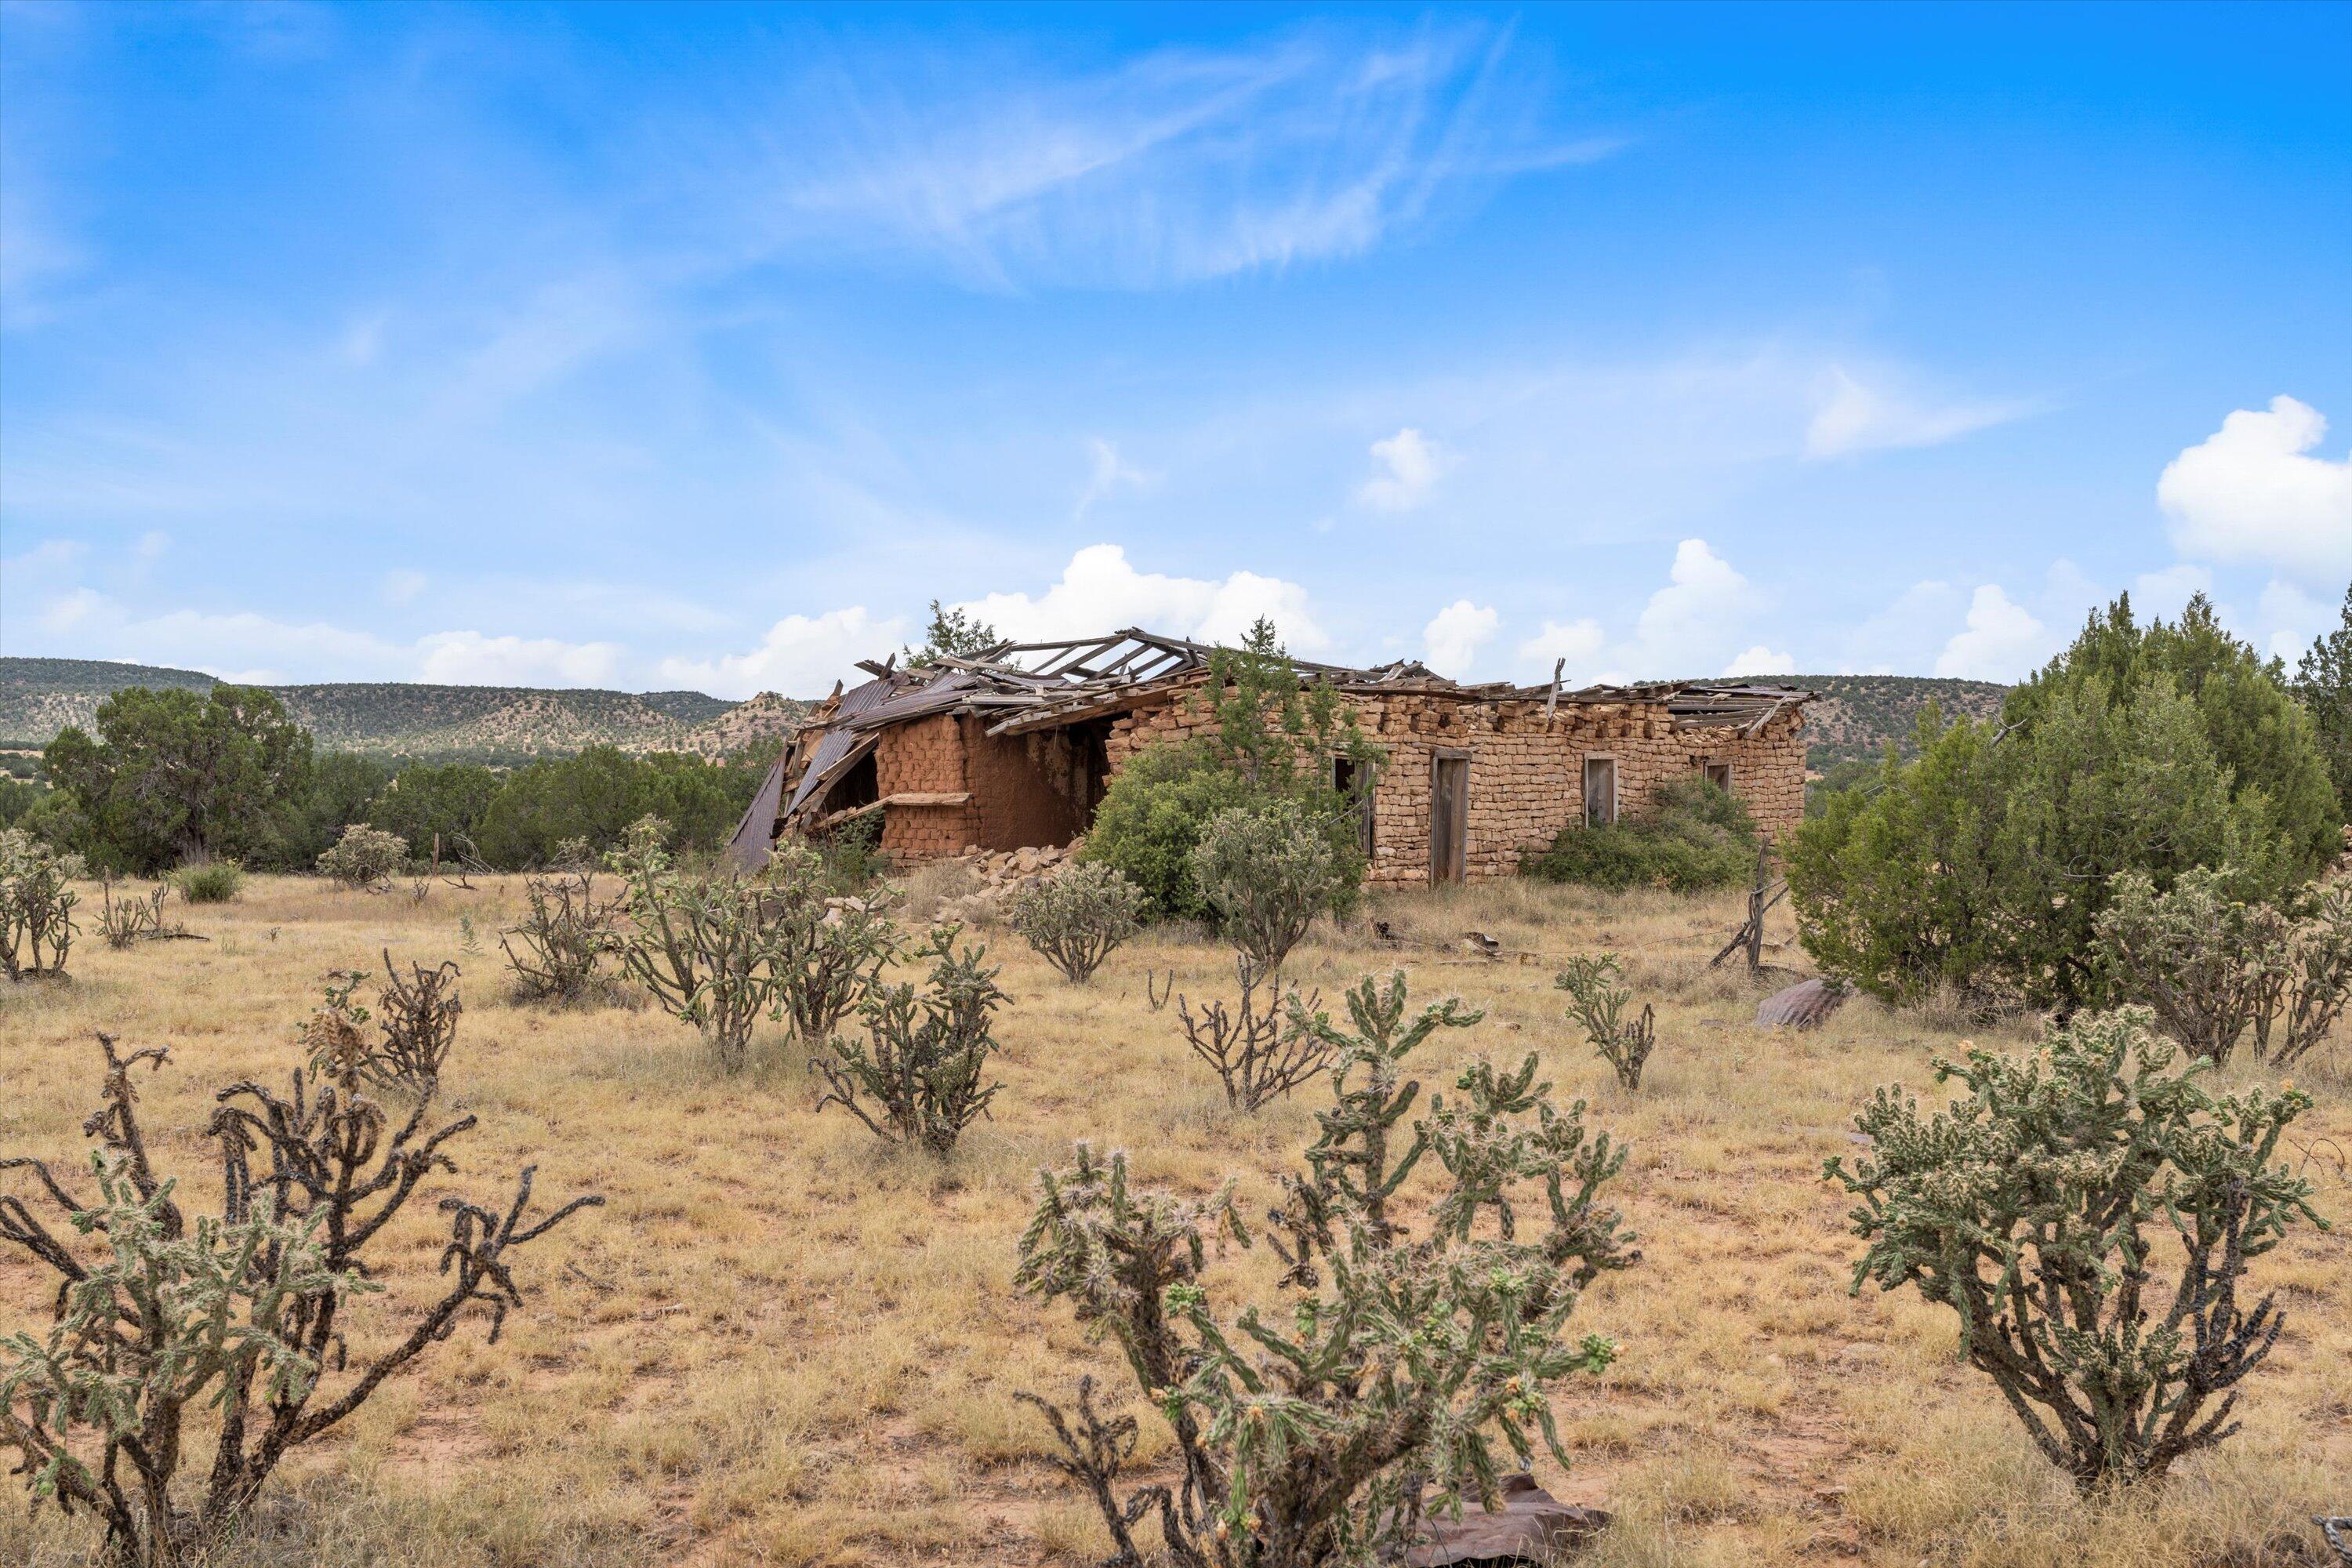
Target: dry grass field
779	1343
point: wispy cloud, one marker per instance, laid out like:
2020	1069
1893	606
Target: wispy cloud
1178	166
1852	413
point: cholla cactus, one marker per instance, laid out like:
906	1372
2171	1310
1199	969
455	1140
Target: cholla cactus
703	947
37	923
364	858
558	949
1322	1430
2035	1208
2212	966
1268	870
828	949
1259	1047
919	1077
418	1016
125	922
245	1312
1598	1003
1078	919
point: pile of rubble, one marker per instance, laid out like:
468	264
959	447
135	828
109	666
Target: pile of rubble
995	875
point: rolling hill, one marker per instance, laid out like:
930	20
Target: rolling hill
38	696
1857	715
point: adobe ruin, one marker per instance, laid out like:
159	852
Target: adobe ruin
1014	749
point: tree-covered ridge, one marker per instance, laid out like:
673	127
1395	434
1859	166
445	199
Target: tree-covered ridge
1857	715
40	697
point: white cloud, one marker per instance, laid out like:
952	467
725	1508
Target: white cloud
50	556
1109	475
1413	464
401	586
1099	590
1578	642
1454	635
2002	641
2252	491
1906	636
2166	593
2287	620
242	644
471	658
1760	660
1701	608
802	655
1852	416
152	546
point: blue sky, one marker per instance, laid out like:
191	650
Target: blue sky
704	346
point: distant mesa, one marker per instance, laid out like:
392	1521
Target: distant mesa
39	697
1854	718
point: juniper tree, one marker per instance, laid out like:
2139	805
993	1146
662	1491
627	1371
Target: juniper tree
244	1313
2038	1208
1322	1429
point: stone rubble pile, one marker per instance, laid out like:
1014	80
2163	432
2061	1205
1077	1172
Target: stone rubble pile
998	875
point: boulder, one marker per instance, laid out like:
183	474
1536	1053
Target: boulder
1800	1006
1529	1525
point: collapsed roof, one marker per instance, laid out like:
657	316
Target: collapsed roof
1020	687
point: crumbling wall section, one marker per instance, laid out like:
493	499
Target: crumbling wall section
1028	791
924	756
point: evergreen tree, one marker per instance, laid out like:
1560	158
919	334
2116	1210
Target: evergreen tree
2323	684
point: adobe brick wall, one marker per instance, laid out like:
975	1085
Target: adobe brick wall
925	756
1527	778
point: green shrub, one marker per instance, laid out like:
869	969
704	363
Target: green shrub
1697	837
1265	735
1984	865
1076	920
1152	819
2037	1208
598	794
211	883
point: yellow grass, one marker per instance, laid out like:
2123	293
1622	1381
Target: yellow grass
781	1343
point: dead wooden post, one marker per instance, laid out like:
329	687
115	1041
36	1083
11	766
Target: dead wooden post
1766	892
1756	906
